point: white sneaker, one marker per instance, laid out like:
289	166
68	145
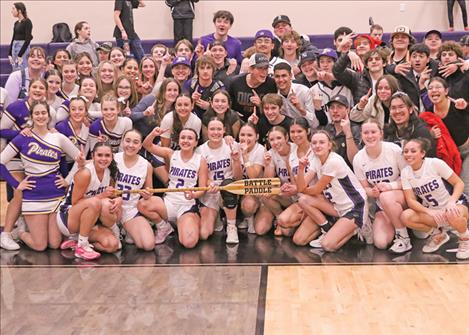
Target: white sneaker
7	242
463	249
163	232
435	241
400	244
243	224
251	229
20	227
232	234
365	233
218	223
317	242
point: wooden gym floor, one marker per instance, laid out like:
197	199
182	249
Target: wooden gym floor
264	285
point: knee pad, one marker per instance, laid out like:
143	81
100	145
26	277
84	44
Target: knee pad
230	200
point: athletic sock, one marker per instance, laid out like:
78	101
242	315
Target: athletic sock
82	241
73	237
465	235
325	226
231	222
402	232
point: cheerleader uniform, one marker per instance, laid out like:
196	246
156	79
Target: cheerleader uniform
63	112
78	139
429	183
94	188
220	167
181	174
344	191
130	178
114	136
42	158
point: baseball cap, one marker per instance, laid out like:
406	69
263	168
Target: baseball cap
306	56
281	18
403	30
368	37
258	60
105	46
264	33
340	99
181	60
433	31
329	53
464	40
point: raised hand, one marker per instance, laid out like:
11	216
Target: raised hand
255	99
403	68
459	103
364	100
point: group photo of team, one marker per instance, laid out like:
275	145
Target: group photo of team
104	146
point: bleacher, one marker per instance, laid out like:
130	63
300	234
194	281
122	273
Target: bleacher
321	41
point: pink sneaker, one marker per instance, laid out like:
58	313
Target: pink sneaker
163	232
68	244
87	253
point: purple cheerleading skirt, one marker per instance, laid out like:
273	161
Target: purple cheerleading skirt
44	198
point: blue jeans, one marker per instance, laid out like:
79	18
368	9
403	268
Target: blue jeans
15	50
136	48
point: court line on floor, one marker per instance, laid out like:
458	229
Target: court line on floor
223	264
260	320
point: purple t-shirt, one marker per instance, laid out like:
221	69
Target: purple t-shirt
232	45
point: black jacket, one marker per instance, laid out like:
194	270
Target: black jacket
358	83
181	9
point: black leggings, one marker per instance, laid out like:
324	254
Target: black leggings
462	4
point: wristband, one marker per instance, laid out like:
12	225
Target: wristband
248	164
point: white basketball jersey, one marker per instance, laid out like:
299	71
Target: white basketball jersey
218	161
256	157
130	178
280	163
293	160
182	174
384	168
427	182
344	191
97	186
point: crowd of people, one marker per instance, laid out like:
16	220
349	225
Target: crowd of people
369	139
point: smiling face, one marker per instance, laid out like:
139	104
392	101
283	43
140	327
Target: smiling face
321	145
69	73
413	153
400	41
383	90
183	50
437	92
132	143
259	73
283	80
40	116
215	131
117	57
298	134
375	63
399	111
109	110
84	66
271	112
88	88
264	45
281	29
371	134
158	54
289	46
102	157
187	140
107	73
171	92
363	45
448	57
53	83
220	103
36	61
277	140
148	69
218	54
60	56
124	88
433	41
78	110
183	106
131	69
248	135
181	72
37	91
